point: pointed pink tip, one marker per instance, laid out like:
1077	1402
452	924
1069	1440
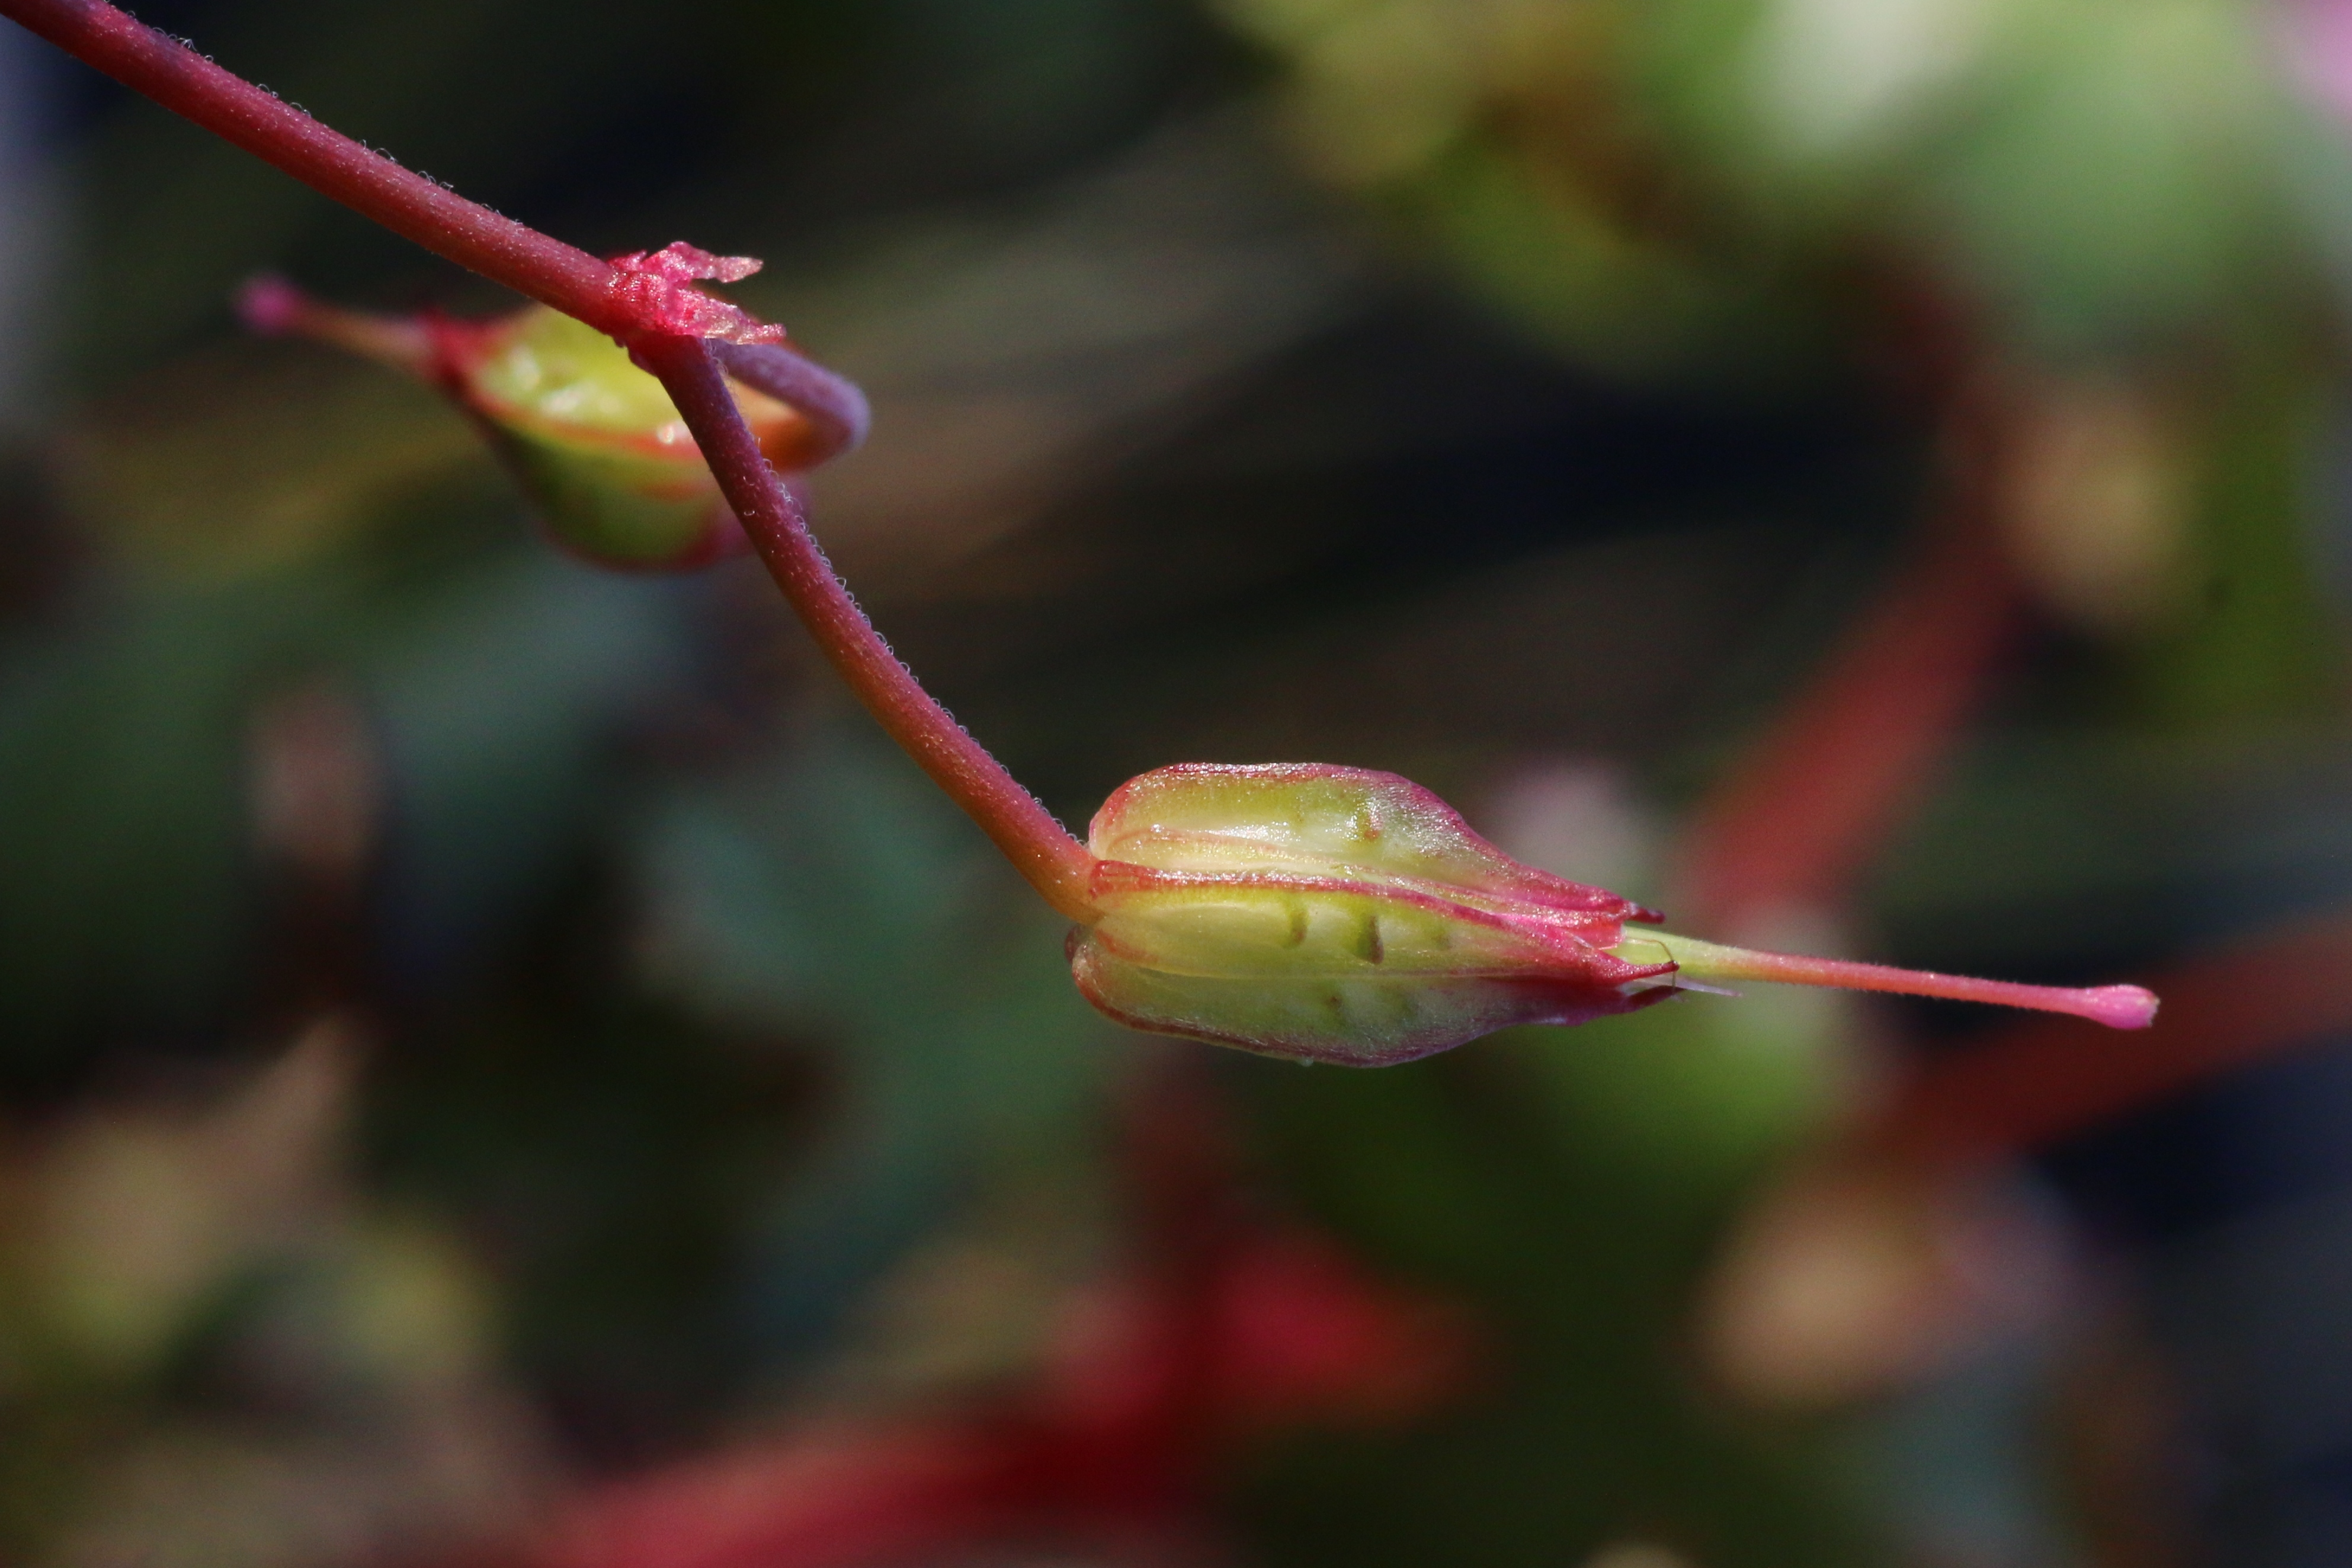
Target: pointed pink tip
269	305
2119	1007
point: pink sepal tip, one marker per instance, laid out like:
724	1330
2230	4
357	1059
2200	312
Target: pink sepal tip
270	306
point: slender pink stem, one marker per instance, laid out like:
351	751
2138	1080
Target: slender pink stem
612	301
368	183
1056	864
2118	1007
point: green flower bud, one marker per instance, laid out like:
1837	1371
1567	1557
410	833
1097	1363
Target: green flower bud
610	468
596	442
1335	914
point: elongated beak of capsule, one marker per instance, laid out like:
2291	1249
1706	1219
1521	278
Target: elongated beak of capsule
2118	1007
1339	915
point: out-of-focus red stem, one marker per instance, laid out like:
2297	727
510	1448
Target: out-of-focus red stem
2040	1082
1800	816
367	181
1044	851
886	1493
1225	1326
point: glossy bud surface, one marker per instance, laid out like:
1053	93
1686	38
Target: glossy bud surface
596	442
1335	914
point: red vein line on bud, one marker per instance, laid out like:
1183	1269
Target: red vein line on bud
2118	1007
1040	848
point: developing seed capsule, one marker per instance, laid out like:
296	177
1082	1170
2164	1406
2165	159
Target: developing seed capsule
1335	914
610	468
1340	916
596	443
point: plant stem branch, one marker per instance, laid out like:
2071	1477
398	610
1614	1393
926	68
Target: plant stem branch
595	292
834	408
1056	864
471	234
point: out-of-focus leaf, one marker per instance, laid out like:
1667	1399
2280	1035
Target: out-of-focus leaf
2267	645
1572	1183
1495	130
127	899
501	697
1662	186
2122	174
1617	300
830	891
130	891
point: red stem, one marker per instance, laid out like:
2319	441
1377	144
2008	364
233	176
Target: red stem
327	161
1056	864
593	291
833	406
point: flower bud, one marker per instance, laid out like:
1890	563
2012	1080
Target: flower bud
594	442
1335	914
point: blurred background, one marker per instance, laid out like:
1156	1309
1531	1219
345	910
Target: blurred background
501	1064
